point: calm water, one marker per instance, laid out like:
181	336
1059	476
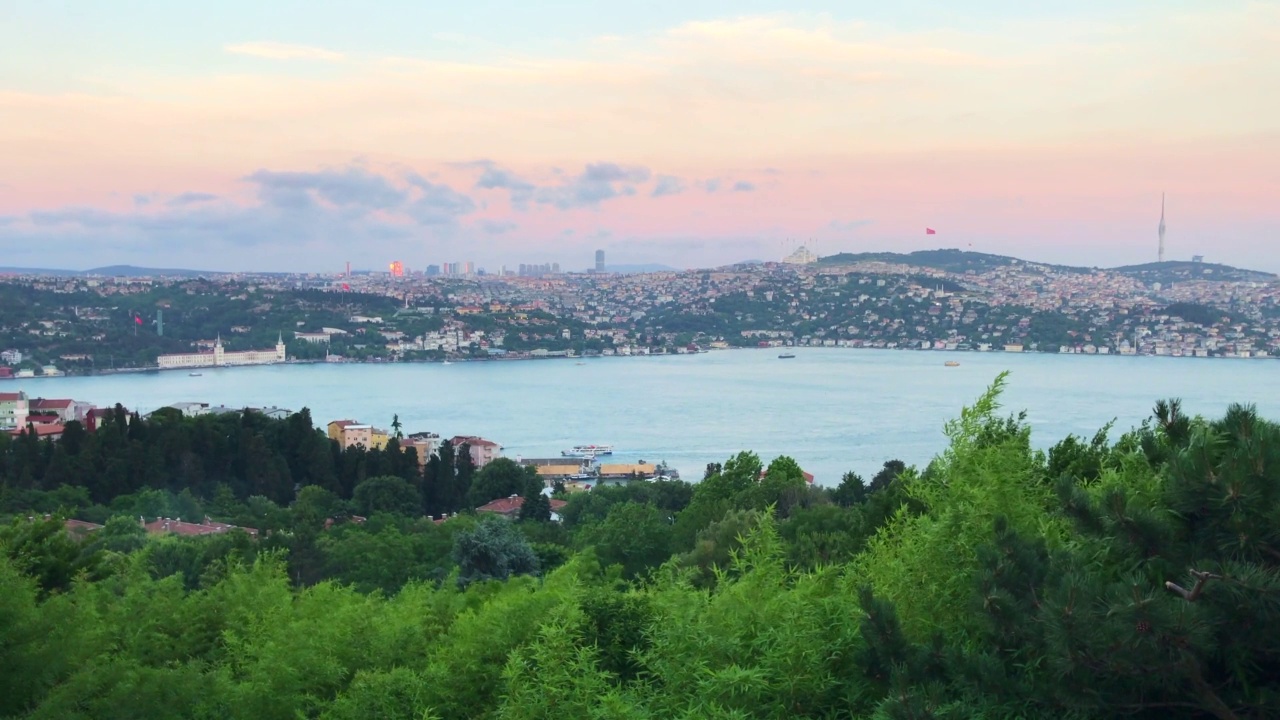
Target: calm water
832	409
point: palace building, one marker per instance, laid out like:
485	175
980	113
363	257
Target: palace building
219	357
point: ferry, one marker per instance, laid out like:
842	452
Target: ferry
587	451
951	363
786	356
195	374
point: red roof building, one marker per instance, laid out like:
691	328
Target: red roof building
51	431
509	507
808	477
207	527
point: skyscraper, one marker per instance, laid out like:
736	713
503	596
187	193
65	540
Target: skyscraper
1160	255
599	261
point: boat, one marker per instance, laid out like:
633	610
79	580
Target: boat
446	362
951	363
786	356
587	451
195	374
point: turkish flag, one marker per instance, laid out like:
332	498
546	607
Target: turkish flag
346	286
930	231
137	319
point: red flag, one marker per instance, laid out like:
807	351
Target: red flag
930	231
346	286
137	319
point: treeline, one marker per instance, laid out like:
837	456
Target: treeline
1138	577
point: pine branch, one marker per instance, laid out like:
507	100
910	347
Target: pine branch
1194	593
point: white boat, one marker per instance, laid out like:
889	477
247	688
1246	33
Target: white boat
587	451
195	374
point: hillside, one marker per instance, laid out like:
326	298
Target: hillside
1182	271
114	271
959	261
945	259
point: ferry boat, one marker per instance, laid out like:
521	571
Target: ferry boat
951	363
587	451
786	356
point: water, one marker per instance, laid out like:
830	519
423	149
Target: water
833	410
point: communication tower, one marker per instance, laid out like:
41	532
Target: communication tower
1160	254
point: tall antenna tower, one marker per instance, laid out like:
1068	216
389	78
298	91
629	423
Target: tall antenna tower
1160	256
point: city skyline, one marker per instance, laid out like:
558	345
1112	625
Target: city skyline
688	134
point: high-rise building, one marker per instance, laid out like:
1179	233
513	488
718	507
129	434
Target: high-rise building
599	261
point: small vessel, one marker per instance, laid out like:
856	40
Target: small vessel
786	356
951	363
195	374
446	362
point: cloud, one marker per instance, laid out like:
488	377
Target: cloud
283	51
437	203
667	185
597	183
850	226
353	187
496	227
191	198
711	185
297	215
497	178
743	186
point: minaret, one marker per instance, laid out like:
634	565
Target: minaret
1161	229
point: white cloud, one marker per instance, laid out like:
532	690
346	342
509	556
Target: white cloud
283	51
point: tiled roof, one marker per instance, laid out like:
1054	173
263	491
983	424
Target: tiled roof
511	505
41	430
43	404
208	527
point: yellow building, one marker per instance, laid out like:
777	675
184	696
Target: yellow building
349	433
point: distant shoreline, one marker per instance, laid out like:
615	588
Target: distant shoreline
779	348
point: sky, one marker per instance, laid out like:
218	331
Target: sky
302	135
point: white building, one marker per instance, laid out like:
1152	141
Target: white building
13	357
222	358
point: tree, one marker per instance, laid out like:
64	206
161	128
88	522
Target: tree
536	506
389	494
636	536
851	490
503	477
396	426
493	550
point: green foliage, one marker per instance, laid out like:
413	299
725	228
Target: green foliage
387	494
501	478
1138	579
635	536
493	550
925	563
536	506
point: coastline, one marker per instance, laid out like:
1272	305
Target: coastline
598	356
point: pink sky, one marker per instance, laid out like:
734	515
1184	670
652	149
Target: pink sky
1047	140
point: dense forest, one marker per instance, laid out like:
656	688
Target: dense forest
1136	576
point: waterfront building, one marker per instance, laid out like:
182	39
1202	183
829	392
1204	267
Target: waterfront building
14	408
483	451
219	357
349	433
